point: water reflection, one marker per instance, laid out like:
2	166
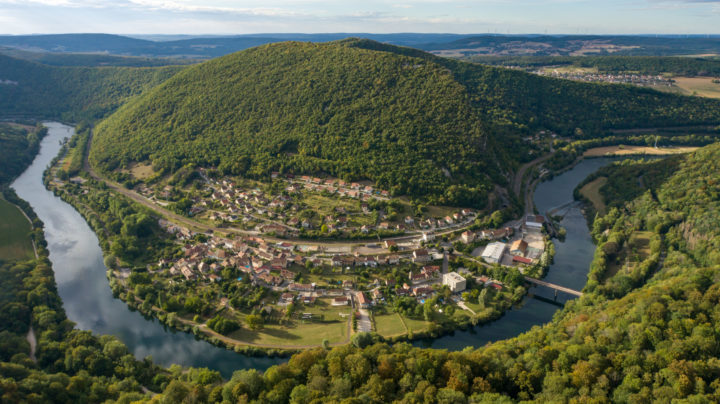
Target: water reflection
572	262
82	284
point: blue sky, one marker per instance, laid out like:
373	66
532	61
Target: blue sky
316	16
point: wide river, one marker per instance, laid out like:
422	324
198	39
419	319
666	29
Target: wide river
80	274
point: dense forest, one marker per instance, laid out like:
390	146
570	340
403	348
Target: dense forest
681	66
29	89
90	59
19	144
413	123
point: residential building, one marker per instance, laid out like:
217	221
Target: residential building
518	247
362	300
421	256
454	281
467	237
340	301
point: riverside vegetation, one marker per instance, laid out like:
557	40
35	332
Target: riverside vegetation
642	334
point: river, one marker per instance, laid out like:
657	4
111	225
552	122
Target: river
80	274
570	267
83	286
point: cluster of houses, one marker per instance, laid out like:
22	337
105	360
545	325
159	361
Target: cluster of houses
635	79
244	205
468	236
521	251
266	264
336	186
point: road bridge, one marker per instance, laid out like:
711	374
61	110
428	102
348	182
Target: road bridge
557	288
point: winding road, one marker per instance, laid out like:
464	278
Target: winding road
197	226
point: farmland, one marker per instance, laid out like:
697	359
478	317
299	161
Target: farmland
15	243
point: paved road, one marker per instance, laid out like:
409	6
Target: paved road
364	323
194	225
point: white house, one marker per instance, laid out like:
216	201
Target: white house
454	281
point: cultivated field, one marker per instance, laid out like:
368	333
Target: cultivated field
626	150
699	86
591	191
15	243
702	86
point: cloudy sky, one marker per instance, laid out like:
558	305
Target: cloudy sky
317	16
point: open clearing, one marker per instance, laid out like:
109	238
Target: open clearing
15	243
701	86
697	86
625	150
141	171
389	325
329	324
636	250
591	191
416	325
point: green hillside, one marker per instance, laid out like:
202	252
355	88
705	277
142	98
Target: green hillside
29	89
357	109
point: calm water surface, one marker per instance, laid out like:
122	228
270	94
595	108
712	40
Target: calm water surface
570	269
80	274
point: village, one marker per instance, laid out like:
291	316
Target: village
620	78
365	278
307	207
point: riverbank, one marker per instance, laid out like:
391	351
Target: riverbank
83	287
607	151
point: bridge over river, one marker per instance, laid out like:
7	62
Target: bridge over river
557	288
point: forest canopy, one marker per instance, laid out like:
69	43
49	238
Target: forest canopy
413	123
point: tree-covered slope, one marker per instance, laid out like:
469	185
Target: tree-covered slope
18	146
29	89
412	122
351	112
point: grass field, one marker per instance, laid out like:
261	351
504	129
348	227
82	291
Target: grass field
15	243
299	333
626	150
700	86
591	191
390	325
416	325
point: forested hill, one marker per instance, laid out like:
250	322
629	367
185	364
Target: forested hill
29	89
412	122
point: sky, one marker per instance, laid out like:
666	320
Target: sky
196	17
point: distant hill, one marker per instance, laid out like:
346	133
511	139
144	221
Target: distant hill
70	93
684	66
90	59
205	47
576	45
414	123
